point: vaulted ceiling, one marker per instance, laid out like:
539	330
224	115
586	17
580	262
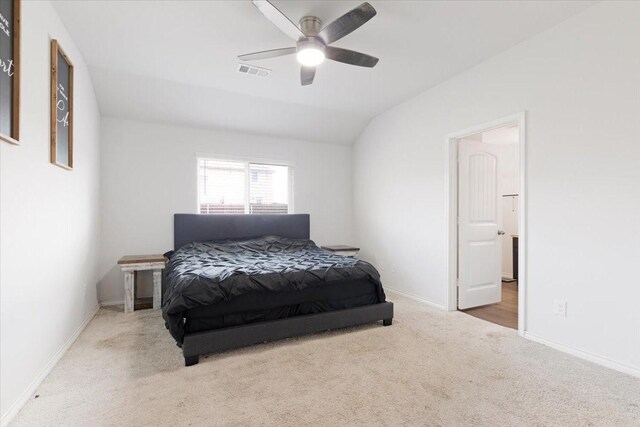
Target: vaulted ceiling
175	61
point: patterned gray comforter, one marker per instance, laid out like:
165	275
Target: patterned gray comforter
206	273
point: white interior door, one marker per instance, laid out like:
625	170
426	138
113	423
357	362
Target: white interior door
479	224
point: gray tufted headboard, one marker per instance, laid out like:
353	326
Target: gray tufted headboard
189	228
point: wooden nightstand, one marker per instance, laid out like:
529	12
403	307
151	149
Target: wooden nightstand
344	250
131	264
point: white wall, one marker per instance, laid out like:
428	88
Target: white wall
149	173
579	84
510	172
49	218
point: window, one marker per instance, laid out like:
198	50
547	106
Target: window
228	187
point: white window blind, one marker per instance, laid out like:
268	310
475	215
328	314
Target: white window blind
227	187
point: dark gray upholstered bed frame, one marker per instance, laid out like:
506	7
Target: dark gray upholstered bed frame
194	228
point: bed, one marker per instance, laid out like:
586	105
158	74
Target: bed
238	280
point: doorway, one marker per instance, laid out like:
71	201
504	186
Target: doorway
487	222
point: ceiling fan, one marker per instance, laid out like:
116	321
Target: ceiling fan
313	40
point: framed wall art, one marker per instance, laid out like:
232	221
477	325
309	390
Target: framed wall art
61	107
10	71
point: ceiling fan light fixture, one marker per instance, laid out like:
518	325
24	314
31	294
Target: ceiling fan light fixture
310	56
313	39
310	52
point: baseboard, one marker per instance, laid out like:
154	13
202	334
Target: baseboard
116	302
110	303
600	360
415	298
31	389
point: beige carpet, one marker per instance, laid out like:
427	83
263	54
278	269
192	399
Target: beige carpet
430	368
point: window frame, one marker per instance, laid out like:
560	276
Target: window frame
247	161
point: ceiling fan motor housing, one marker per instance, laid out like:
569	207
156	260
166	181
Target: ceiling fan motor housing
310	25
310	43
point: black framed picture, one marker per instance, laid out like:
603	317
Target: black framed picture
10	71
61	107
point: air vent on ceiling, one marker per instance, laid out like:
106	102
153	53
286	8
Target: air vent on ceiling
252	70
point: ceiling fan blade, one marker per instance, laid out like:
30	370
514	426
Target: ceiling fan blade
347	23
267	54
306	75
350	57
278	18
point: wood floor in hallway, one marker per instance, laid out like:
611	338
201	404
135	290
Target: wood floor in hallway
505	313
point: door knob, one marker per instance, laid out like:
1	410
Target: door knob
500	232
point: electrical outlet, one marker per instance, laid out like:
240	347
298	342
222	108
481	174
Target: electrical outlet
560	307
